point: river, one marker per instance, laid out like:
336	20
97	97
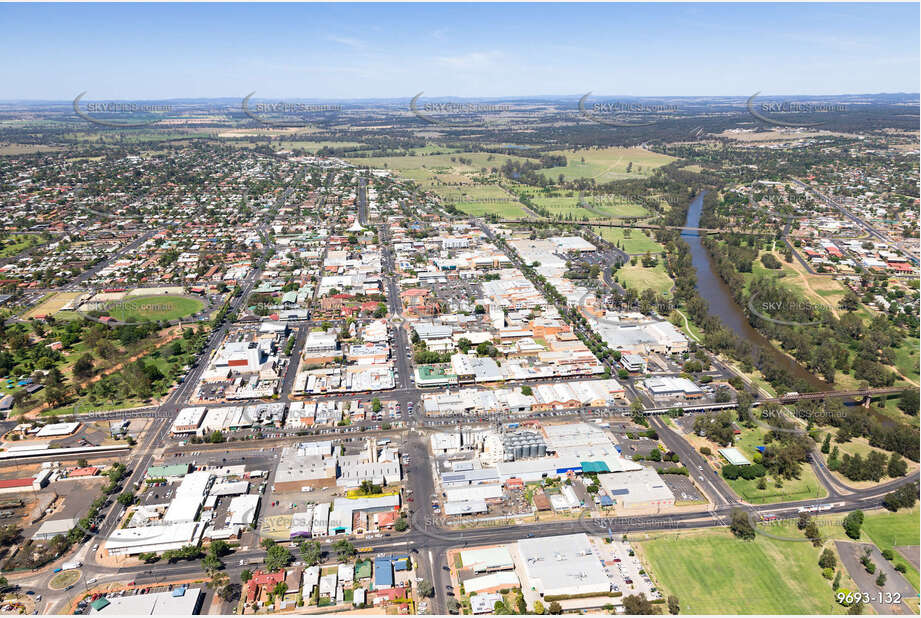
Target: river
715	291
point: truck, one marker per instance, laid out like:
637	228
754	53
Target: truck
67	566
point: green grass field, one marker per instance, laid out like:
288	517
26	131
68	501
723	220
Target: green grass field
315	146
712	572
607	164
888	530
631	241
506	210
149	308
615	206
16	243
439	162
907	360
640	278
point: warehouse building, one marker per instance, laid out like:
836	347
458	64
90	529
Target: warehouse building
562	565
53	527
188	420
180	601
487	559
492	582
133	541
670	386
640	489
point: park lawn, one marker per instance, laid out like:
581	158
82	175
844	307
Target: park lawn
505	210
315	146
425	178
806	487
149	308
438	162
640	278
634	242
561	206
888	530
607	164
907	360
892	410
712	572
616	206
17	243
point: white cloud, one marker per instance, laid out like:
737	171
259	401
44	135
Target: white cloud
471	61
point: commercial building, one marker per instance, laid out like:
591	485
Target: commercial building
243	510
53	527
133	541
562	565
639	489
188	420
492	582
640	336
484	603
670	386
487	559
180	601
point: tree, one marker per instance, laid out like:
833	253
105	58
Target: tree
453	605
401	525
246	575
520	604
376	405
826	444
211	563
126	498
426	589
280	589
4	583
219	548
539	607
908	402
311	552
344	549
555	609
812	533
897	466
850	302
673	606
526	391
827	560
852	524
638	605
740	525
277	558
881	579
83	368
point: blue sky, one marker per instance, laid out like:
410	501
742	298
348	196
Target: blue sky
55	51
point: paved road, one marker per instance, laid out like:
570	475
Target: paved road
860	222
